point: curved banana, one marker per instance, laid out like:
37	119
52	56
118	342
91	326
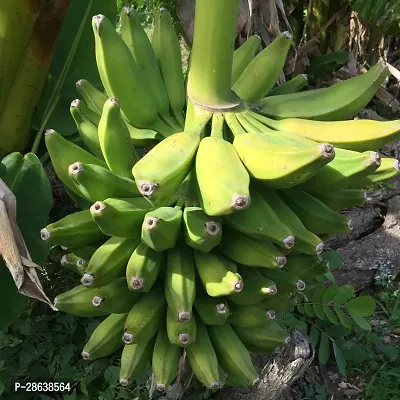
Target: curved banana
92	96
292	86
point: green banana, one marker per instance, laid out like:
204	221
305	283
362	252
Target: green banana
78	301
261	222
161	171
305	267
218	274
282	302
251	252
76	229
357	135
342	172
115	140
165	362
306	241
86	128
88	114
203	360
243	56
201	231
315	215
109	261
278	165
120	217
338	102
121	76
134	359
285	282
143	268
232	355
340	199
73	263
223	180
181	333
161	228
260	76
180	286
292	86
268	335
211	310
115	297
389	169
146	317
140	47
63	153
96	183
256	287
93	97
251	315
167	50
106	338
84	252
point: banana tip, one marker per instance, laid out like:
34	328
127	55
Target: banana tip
114	101
396	165
124	382
319	248
271	290
63	260
305	77
87	280
85	355
300	285
271	314
184	316
127	338
256	381
150	223
45	234
81	262
97	300
289	242
215	385
49	132
221	308
97	207
147	188
327	150
212	227
240	202
97	20
281	261
75	168
79	83
238	286
137	283
161	388
184	338
288	35
75	103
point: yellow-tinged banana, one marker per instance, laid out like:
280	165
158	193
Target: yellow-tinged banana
243	56
92	96
97	183
120	75
161	171
268	335
201	231
134	359
251	252
165	362
338	102
278	165
181	333
161	228
143	268
106	338
260	76
292	86
63	153
232	355
73	230
115	140
180	285
306	241
223	180
217	273
211	310
120	217
340	199
305	267
86	128
343	171
388	169
78	301
256	287
261	222
167	50
146	317
109	261
203	360
314	214
251	315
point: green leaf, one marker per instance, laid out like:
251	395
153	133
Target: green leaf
352	351
309	310
330	314
337	331
74	59
389	350
359	320
324	349
313	337
301	308
329	294
342	318
333	258
111	375
362	305
345	293
340	361
27	180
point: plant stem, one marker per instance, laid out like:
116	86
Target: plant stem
210	73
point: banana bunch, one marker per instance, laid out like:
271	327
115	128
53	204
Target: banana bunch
192	250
